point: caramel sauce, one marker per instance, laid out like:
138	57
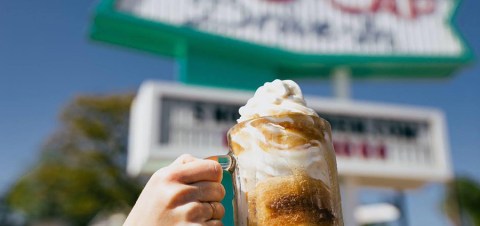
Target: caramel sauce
291	132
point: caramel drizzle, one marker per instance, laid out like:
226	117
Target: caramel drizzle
283	132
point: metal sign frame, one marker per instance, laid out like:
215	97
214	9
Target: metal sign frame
206	58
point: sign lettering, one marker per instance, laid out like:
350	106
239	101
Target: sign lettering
411	9
354	137
378	27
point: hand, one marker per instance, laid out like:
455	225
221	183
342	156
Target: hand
187	192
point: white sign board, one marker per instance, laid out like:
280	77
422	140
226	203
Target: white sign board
381	145
366	27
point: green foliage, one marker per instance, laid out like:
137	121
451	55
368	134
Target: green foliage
462	201
81	172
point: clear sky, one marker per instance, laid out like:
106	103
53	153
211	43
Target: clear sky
46	59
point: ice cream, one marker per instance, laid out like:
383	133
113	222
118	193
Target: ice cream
280	101
285	159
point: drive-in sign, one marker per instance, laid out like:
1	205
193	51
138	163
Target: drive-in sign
249	42
366	27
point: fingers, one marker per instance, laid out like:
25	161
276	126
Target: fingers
214	223
198	192
209	191
202	211
185	158
218	211
212	211
196	170
195	189
196	212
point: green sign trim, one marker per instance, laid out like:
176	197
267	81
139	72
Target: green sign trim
184	43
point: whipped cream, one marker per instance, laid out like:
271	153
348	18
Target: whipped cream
263	158
275	98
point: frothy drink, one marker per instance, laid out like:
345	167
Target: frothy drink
286	163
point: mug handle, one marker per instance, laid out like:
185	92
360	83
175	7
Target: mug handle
228	164
227	161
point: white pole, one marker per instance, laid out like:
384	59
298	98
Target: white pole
342	87
341	83
350	192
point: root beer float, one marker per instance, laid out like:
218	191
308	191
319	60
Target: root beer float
286	167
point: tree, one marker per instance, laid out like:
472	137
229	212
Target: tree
81	169
7	217
462	201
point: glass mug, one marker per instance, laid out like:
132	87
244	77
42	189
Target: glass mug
283	172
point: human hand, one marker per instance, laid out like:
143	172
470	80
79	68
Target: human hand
187	192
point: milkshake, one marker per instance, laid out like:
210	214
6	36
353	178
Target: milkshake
286	166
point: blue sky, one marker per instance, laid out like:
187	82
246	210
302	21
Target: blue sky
46	59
